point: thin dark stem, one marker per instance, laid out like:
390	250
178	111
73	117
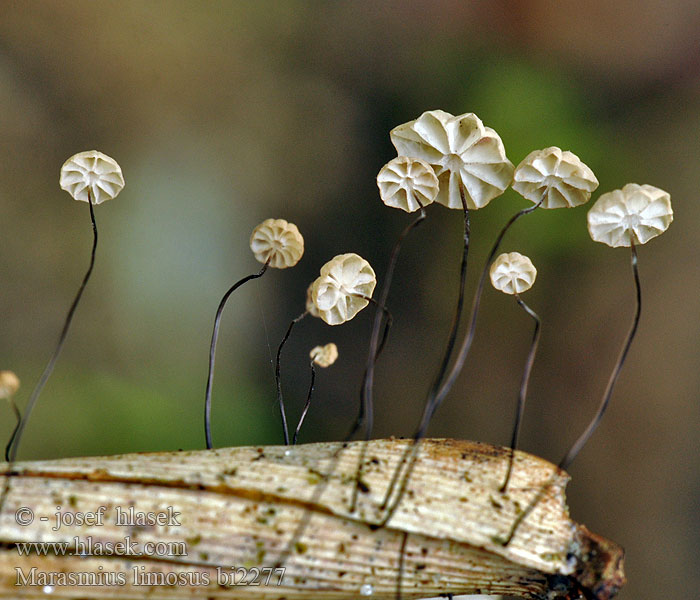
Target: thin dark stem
522	395
367	410
451	340
585	436
278	377
13	445
375	347
388	318
442	386
435	401
18	420
459	309
212	350
306	406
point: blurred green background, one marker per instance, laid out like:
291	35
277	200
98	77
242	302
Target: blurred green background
222	114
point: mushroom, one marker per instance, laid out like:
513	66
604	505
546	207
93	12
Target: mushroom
409	184
321	356
550	178
470	163
275	243
627	217
342	290
512	273
90	177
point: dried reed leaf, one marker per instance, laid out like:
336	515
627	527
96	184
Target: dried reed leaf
287	507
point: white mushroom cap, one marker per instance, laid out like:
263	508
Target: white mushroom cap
461	150
642	211
406	183
512	273
324	356
278	241
9	384
336	293
94	172
559	174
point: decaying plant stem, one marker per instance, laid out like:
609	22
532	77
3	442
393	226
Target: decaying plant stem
242	508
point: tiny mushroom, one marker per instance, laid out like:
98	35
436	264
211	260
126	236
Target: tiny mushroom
636	213
276	243
554	178
343	288
90	177
324	356
321	356
513	273
624	218
407	183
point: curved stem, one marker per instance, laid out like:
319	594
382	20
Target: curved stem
366	408
592	426
459	309
585	436
18	420
212	350
278	378
522	395
306	406
13	444
375	347
437	399
441	386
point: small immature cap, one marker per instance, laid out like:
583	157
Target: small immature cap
94	172
340	292
407	183
277	241
557	174
512	273
9	384
324	356
642	211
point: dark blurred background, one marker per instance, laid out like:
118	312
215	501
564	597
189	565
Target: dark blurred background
222	114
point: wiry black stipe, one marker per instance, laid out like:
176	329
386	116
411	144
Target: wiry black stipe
375	345
522	394
212	350
592	426
366	410
13	445
586	435
278	377
18	419
306	406
442	386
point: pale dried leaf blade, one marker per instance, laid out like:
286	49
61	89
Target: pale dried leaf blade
254	506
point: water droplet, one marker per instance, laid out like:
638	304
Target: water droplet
48	589
367	589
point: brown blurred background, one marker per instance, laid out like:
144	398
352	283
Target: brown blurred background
222	114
